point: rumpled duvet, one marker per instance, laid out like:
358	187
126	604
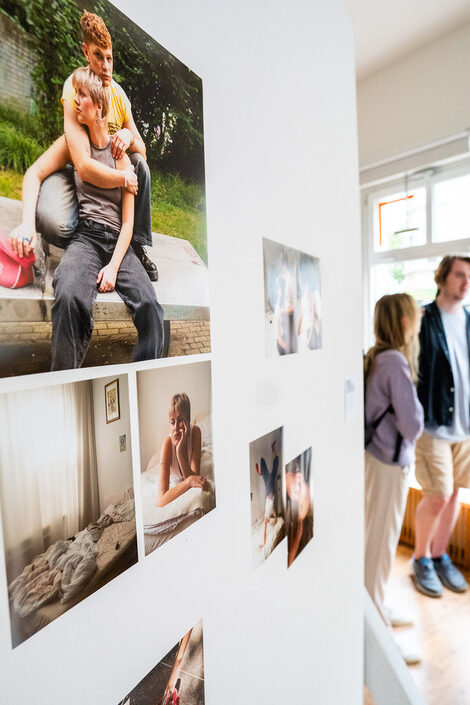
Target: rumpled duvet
66	566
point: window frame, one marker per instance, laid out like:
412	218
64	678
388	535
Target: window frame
426	177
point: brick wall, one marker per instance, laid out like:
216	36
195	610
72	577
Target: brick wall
186	337
16	63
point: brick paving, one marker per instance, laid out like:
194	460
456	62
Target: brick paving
25	347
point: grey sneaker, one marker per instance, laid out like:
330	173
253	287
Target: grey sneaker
425	577
448	574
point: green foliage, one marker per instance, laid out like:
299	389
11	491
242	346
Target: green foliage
166	96
398	272
18	118
178	209
54	28
17	149
10	183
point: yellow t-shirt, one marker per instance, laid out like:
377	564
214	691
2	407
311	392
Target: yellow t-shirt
119	111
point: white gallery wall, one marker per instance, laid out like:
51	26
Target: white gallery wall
281	162
417	100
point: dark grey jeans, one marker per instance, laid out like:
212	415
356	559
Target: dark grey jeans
75	289
57	208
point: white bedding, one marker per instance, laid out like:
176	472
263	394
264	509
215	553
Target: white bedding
275	532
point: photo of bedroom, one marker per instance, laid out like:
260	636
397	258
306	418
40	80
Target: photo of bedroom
67	498
267	509
179	677
292	296
176	449
299	504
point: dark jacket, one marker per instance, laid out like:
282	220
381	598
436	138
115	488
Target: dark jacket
436	382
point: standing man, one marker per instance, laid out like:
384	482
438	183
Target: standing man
443	451
57	210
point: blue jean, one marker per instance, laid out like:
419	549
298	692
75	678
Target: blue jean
75	289
57	207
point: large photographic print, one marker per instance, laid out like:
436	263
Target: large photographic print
103	249
292	295
67	499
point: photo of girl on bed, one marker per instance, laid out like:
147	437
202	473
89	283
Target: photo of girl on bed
67	499
299	504
267	507
179	677
176	449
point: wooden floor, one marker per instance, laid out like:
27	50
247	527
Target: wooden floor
441	632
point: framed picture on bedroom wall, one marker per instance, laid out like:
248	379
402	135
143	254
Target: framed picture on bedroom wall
67	499
176	449
111	396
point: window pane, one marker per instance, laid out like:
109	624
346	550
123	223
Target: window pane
415	277
400	220
451	209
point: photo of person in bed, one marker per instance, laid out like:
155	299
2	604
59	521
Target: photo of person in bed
180	459
267	505
176	449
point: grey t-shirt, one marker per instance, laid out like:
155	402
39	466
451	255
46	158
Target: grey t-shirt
456	335
103	205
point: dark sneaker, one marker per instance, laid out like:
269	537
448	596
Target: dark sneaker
449	575
425	577
149	266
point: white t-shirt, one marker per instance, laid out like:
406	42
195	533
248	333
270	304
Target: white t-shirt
455	329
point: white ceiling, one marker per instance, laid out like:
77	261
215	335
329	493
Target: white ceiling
386	30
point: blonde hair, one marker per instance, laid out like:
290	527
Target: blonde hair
95	30
389	332
83	77
181	401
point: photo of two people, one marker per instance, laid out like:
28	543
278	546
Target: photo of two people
292	295
101	192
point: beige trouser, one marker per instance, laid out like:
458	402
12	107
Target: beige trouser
386	490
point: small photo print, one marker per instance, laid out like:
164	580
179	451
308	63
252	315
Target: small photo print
176	449
179	677
299	504
67	499
292	295
267	510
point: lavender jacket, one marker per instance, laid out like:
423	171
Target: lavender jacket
390	382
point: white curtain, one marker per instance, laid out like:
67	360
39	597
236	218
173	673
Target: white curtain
48	473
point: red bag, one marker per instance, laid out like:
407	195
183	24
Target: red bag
15	271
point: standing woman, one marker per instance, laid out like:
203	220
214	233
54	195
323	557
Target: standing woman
390	376
98	256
